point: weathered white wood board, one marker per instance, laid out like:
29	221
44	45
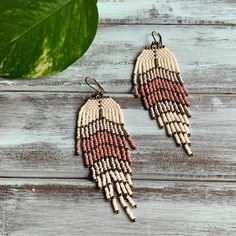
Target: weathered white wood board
44	187
167	12
45	207
39	129
206	55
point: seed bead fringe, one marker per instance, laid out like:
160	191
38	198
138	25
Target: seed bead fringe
105	145
157	80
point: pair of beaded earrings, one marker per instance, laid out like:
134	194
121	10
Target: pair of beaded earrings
102	134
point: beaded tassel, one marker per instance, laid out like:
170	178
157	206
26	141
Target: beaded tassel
105	141
157	80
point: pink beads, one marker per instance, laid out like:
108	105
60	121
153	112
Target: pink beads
78	146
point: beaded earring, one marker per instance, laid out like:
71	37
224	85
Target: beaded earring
104	140
157	80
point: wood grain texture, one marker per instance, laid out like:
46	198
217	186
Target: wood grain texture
44	187
39	128
206	55
167	12
47	207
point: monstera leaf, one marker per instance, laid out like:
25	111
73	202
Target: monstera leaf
43	37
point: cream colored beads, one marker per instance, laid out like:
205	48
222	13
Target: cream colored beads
111	174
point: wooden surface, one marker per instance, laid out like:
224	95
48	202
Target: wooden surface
44	187
46	207
206	55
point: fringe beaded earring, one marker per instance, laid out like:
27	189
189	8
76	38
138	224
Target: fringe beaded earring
157	79
104	140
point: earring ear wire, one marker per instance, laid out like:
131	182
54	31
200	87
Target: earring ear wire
95	81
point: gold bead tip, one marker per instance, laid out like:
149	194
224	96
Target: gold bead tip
188	150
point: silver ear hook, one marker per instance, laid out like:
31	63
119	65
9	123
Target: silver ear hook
159	42
95	81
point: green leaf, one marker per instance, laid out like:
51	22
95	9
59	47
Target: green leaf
43	37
